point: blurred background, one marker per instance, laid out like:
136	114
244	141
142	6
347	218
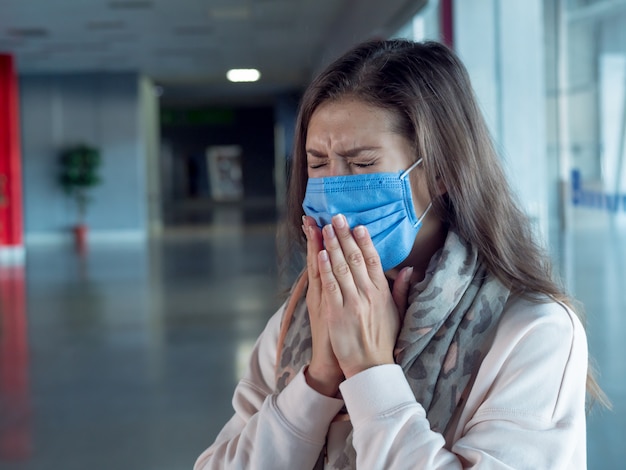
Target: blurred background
140	192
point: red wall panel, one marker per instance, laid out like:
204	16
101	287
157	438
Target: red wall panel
11	219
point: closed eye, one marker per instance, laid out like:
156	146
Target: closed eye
362	165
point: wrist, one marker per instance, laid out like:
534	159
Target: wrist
352	371
324	383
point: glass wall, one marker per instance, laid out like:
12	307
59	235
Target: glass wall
591	122
584	55
594	85
591	133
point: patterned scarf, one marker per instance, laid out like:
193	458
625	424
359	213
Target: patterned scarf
445	335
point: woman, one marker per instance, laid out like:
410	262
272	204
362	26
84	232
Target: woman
425	331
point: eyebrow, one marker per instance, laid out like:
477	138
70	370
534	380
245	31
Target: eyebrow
351	153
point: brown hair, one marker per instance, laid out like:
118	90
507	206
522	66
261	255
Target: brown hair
428	89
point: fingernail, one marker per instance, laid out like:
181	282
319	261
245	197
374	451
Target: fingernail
330	232
304	220
305	230
324	255
409	273
339	221
359	231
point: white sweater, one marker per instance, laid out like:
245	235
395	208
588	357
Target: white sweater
526	409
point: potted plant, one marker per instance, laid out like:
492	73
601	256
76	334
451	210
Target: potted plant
79	173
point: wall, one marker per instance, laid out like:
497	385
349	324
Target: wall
99	109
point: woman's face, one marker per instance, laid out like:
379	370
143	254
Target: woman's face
348	137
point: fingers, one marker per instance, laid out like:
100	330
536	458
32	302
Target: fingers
337	239
354	259
370	256
359	310
314	244
323	373
333	293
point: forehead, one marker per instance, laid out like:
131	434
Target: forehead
350	117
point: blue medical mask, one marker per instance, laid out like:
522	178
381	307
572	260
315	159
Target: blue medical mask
381	202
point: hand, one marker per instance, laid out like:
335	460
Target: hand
362	313
323	373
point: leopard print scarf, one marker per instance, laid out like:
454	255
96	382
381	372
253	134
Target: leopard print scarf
446	332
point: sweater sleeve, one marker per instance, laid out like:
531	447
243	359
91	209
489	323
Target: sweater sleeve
271	430
525	410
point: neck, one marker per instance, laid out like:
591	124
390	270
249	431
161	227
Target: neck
425	246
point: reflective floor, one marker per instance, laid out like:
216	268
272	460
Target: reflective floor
127	358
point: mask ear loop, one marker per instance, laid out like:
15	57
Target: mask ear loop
430	204
406	172
419	221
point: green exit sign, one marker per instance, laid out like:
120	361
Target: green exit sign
197	117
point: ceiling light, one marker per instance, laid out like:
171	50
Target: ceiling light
243	75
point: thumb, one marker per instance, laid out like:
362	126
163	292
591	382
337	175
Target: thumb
400	291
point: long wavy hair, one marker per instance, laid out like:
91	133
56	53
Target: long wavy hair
428	90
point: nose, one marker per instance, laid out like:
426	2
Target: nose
337	167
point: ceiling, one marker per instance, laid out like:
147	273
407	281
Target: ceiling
186	46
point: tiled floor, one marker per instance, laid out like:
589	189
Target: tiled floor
127	358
